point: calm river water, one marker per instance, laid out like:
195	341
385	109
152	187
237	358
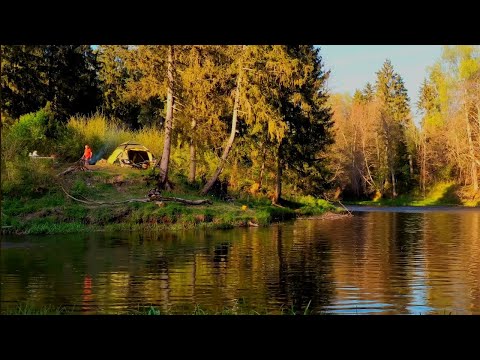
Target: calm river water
397	261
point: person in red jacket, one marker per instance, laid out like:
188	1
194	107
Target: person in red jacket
87	154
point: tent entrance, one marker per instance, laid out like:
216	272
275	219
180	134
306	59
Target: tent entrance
137	156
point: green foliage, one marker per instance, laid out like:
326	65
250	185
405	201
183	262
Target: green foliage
22	86
113	75
441	194
26	135
29	177
31	309
273	214
313	206
44	227
64	75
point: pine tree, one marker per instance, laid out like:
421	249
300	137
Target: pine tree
64	75
392	94
113	76
71	79
23	81
309	122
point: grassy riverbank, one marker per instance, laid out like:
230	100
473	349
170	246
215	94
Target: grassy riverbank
442	194
41	206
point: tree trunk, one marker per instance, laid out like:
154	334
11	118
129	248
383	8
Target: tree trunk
193	163
472	153
394	185
367	166
162	181
228	147
410	162
278	185
193	160
424	164
262	169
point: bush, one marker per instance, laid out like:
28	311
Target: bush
24	176
26	135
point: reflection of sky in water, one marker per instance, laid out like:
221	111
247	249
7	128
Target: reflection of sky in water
419	304
349	301
358	306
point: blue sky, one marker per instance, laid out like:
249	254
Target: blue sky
352	66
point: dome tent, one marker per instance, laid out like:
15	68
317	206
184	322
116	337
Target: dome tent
131	153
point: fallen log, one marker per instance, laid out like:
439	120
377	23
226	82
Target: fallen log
180	200
79	166
70	169
154	198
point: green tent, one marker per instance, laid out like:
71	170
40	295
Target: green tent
131	153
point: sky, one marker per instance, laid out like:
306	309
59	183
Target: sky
352	66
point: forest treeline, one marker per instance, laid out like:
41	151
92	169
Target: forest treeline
259	117
380	151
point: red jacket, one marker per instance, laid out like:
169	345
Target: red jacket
88	153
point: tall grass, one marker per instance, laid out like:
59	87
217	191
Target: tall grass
236	309
29	309
151	137
100	133
103	134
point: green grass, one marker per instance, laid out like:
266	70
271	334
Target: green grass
29	309
238	308
441	194
52	212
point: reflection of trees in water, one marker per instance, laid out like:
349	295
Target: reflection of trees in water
403	260
220	255
452	253
303	268
381	255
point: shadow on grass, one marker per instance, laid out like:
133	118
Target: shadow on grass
441	194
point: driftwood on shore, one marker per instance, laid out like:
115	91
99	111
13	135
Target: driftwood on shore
180	200
326	216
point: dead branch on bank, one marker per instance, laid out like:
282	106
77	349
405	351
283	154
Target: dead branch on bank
180	200
78	166
153	198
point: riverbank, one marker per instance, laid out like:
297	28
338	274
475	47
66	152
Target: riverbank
109	198
442	194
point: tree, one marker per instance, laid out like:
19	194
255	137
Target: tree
113	76
392	94
64	75
165	161
204	81
309	121
71	80
239	79
430	148
23	82
449	101
153	78
284	101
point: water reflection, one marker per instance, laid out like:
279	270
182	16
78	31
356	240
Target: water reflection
374	262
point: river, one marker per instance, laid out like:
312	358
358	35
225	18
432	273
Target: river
379	261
